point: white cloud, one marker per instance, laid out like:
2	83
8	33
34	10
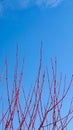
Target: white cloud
21	4
48	2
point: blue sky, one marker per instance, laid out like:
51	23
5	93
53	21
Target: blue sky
27	23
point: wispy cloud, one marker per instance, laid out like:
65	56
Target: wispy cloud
26	3
22	4
47	3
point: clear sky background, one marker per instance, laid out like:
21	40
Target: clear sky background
27	23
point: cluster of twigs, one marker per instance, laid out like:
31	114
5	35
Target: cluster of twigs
42	108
